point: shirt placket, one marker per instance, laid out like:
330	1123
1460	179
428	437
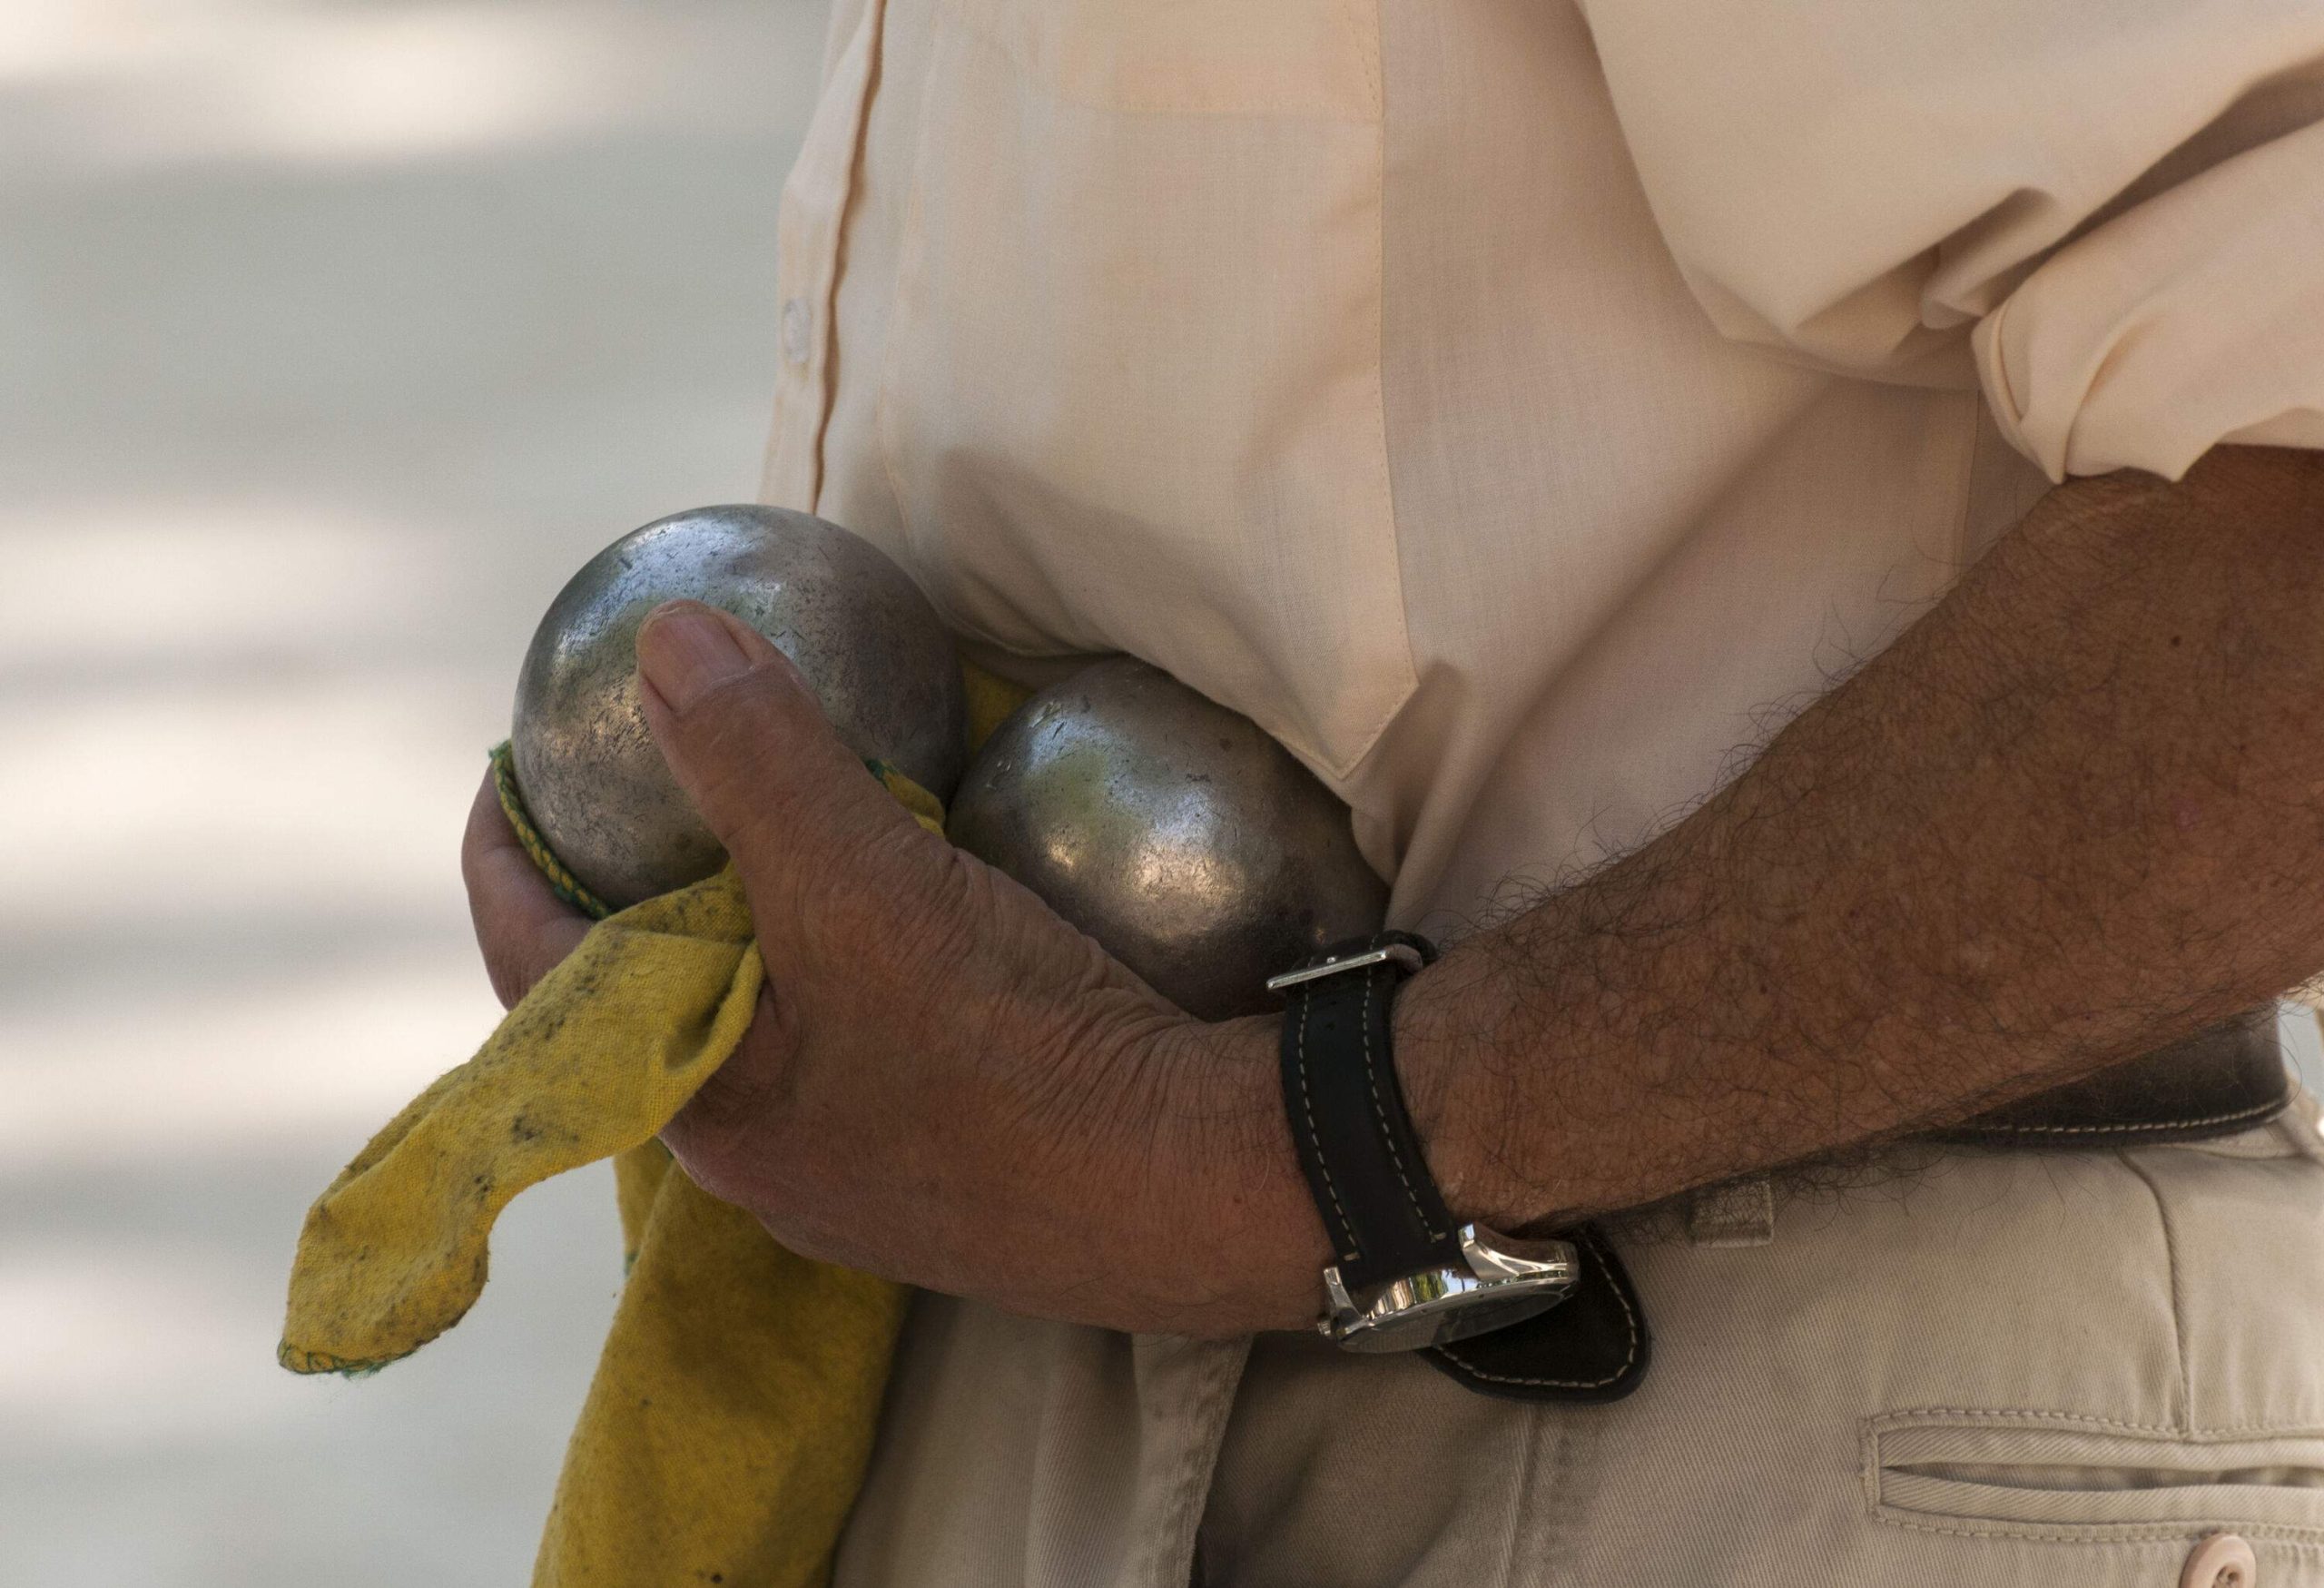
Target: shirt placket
812	214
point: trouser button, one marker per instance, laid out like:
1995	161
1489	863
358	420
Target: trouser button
2221	1560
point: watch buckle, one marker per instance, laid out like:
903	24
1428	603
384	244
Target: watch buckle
1395	954
1507	1280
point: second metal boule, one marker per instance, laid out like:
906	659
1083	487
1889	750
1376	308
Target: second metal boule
1173	831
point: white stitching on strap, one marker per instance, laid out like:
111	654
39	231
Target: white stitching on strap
1380	1109
2256	1111
1629	1357
1307	1106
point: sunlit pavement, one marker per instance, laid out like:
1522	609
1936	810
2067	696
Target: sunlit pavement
332	337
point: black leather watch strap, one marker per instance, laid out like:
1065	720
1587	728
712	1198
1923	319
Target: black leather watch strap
1357	1143
1592	1348
1385	1216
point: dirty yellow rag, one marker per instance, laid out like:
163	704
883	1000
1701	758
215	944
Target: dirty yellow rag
727	1429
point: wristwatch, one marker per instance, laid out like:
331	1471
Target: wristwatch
1406	1275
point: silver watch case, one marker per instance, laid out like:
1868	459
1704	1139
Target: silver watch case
1506	1281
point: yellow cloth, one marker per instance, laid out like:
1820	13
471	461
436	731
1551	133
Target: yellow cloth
730	1418
727	1429
593	1061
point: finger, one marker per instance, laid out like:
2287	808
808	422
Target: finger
524	928
745	738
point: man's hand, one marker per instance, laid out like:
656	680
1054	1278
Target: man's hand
524	928
944	1083
2071	815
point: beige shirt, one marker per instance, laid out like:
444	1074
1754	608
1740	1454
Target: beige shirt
1517	408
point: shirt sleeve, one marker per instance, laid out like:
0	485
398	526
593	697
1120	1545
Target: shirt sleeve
2108	213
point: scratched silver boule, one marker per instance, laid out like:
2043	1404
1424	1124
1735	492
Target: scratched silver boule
1173	831
877	654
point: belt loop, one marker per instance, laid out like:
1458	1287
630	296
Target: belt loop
2303	1122
1733	1213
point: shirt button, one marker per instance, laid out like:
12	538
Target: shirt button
2221	1560
798	320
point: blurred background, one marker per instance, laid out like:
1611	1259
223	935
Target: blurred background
333	336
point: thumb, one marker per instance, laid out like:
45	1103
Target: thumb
746	740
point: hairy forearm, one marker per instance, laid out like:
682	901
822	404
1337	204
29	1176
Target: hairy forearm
2073	813
2069	816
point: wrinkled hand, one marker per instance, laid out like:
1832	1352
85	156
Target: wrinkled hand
944	1083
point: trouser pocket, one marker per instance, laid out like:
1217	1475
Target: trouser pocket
2041	1475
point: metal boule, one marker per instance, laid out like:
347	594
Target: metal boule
860	631
1194	847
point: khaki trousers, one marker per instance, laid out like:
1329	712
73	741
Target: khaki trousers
2053	1370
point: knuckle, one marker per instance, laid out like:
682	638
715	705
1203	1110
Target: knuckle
760	762
509	983
889	896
